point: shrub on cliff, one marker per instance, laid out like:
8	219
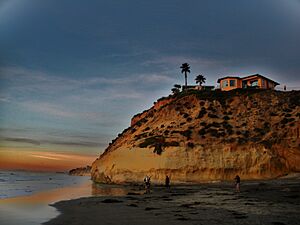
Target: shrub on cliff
171	144
201	113
148	141
242	140
158	142
190	145
189	119
226	118
202	131
213	116
214	132
158	149
286	120
203	124
267	143
187	133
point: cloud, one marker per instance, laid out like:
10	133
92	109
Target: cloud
63	97
4	99
48	108
74	143
46	157
87	98
56	156
30	83
155	79
23	140
175	61
97	107
78	143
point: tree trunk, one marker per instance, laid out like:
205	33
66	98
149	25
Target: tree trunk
185	76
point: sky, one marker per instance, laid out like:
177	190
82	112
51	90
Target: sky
73	73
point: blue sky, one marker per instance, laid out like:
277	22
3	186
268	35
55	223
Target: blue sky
73	73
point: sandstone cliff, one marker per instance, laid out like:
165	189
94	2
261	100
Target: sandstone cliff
81	171
202	136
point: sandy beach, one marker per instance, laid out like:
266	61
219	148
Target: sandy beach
274	202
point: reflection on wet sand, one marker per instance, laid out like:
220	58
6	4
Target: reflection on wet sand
107	190
35	209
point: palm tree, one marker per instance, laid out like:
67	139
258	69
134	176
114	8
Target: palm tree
200	79
185	68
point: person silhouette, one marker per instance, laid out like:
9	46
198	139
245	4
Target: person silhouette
167	182
237	183
147	184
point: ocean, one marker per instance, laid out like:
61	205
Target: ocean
21	183
26	197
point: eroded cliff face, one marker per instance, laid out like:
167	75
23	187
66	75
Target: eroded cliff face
205	136
81	171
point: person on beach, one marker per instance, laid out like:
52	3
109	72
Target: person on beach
167	183
237	183
147	184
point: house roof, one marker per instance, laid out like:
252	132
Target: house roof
219	80
246	77
258	75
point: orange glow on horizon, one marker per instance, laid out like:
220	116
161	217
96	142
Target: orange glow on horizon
27	159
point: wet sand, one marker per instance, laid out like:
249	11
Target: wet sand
34	209
274	202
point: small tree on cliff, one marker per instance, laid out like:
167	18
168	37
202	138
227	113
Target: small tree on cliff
185	68
176	89
178	86
200	79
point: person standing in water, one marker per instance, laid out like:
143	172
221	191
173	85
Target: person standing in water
237	183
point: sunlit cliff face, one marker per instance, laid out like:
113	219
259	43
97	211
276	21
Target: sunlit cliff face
42	160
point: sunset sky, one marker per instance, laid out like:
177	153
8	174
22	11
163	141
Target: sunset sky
73	73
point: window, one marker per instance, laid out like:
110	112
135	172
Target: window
263	82
225	83
232	83
254	83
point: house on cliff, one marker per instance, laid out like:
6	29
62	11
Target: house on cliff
256	81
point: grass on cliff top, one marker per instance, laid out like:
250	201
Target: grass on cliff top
218	95
221	96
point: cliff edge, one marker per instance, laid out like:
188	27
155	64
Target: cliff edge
199	136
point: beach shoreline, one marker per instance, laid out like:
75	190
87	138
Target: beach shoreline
260	202
19	209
